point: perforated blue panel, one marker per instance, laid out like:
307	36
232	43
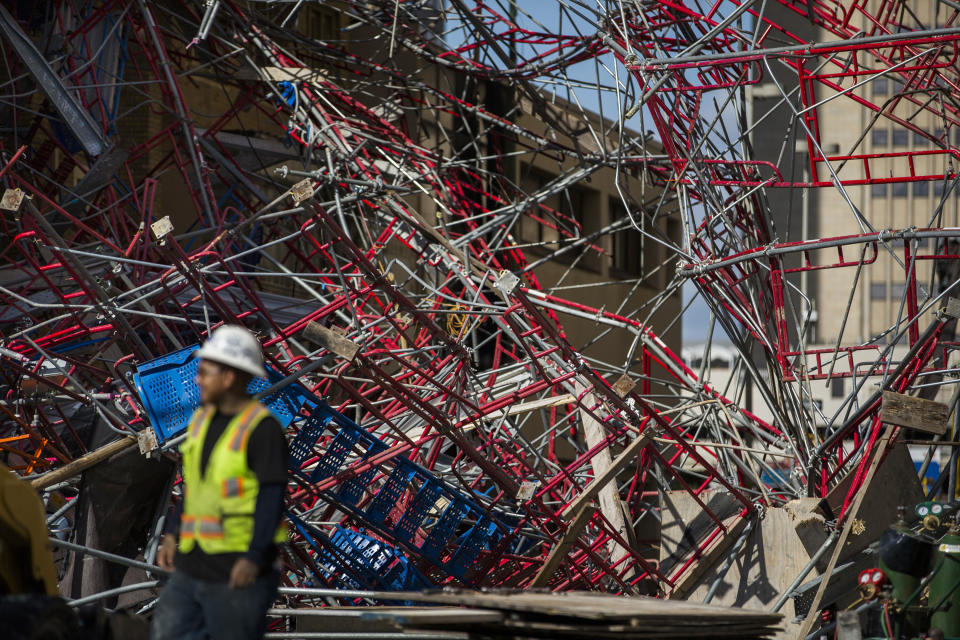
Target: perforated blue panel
352	490
481	537
335	454
417	511
302	446
373	563
437	540
390	492
444	543
168	391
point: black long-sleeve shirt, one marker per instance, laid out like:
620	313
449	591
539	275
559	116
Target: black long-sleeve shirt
267	458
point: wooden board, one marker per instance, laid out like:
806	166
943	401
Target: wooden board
850	519
598	606
559	551
609	472
895	483
331	340
711	555
82	463
914	413
582	614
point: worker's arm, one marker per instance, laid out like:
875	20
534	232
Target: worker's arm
168	542
266	516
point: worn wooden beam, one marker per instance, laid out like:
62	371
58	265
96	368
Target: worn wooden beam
607	495
526	407
331	340
559	551
914	413
82	463
612	469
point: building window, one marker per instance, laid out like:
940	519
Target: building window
938	187
321	23
554	222
628	243
878	290
899	189
878	86
836	388
921	189
897	289
920	137
900	137
879	137
878	190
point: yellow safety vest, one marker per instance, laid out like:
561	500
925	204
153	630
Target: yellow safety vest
218	504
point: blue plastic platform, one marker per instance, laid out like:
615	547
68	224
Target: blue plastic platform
353	560
168	390
439	523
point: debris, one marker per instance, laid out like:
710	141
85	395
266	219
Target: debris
510	255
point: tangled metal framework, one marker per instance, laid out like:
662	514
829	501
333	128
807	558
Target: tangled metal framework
462	435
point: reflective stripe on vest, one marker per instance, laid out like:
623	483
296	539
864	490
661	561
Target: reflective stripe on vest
196	423
250	417
233	487
202	527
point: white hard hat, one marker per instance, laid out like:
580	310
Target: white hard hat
235	347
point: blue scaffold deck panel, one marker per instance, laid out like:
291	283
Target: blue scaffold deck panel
353	560
410	505
168	391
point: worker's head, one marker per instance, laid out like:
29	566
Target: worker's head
228	360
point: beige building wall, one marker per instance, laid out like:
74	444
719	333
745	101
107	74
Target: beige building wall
848	128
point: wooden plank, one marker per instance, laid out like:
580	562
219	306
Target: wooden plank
82	463
559	551
331	340
607	495
434	616
526	407
814	613
598	607
599	482
624	385
914	413
894	484
708	559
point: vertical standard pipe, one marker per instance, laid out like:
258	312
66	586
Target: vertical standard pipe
952	491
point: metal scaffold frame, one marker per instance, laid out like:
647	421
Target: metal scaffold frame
372	199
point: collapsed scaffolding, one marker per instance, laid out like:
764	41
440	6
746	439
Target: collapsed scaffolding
362	212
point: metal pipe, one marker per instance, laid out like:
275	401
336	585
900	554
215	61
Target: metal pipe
112	557
113	592
785	594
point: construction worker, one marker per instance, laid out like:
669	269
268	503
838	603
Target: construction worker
229	524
